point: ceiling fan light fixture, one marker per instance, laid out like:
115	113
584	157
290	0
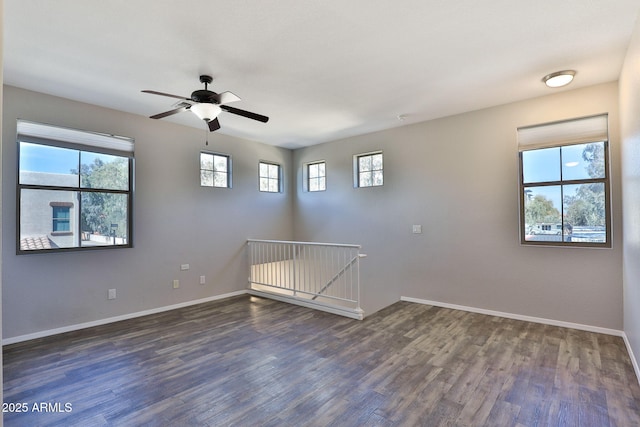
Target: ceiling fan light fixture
559	78
206	111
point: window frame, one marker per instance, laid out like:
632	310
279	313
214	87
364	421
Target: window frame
56	207
229	171
278	178
72	139
306	178
606	181
357	172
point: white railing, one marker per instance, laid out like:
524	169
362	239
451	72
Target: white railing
325	276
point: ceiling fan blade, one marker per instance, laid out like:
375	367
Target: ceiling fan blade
153	92
168	113
247	114
227	97
213	124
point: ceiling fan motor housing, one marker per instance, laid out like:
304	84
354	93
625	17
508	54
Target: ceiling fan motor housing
204	95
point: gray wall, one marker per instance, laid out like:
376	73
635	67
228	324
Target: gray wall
175	222
457	177
630	130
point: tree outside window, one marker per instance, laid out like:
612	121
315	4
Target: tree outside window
215	170
369	170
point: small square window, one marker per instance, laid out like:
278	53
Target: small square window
61	219
368	170
269	177
316	176
215	170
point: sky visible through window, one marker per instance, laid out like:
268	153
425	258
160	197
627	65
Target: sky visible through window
544	165
42	158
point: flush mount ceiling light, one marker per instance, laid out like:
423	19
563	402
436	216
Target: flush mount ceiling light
559	78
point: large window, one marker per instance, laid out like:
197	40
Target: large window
215	170
269	176
74	189
564	187
368	170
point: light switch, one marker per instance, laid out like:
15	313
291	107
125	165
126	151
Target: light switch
417	229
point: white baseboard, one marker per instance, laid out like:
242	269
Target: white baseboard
541	320
329	308
100	322
634	361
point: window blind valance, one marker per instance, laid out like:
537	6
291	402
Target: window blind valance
39	132
575	131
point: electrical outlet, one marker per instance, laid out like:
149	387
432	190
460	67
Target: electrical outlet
176	284
112	294
417	229
203	280
184	267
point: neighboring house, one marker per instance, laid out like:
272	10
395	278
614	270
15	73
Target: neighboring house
49	217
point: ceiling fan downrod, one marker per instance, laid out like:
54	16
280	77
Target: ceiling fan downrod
206	80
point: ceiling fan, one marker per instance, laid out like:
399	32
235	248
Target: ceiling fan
207	105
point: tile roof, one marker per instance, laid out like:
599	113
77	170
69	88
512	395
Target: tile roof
35	242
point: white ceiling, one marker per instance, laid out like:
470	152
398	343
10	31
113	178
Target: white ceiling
321	70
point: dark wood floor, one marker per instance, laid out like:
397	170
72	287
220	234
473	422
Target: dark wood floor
248	361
